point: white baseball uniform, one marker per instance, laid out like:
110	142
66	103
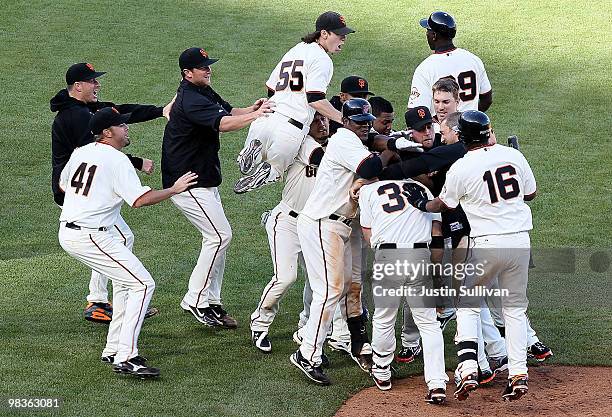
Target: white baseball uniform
393	220
465	67
97	180
305	68
281	227
490	183
325	242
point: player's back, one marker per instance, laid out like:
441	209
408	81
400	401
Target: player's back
305	68
493	181
390	216
465	67
89	181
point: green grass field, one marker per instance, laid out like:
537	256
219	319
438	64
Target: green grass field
548	62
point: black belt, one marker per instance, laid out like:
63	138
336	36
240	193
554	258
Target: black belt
296	123
293	214
71	225
334	216
418	245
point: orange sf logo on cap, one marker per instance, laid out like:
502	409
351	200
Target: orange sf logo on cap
361	82
88	65
421	113
203	52
115	110
342	20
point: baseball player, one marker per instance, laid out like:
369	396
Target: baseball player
96	181
297	87
352	86
324	230
75	105
492	183
191	143
447	60
281	227
399	232
382	109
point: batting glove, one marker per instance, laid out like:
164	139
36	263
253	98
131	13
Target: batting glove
416	196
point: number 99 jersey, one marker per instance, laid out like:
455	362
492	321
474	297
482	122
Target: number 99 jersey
305	68
465	67
96	180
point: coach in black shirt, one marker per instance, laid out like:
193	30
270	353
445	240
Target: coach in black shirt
191	143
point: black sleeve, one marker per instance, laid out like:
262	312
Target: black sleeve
370	167
431	161
270	92
316	156
140	112
204	112
136	161
312	97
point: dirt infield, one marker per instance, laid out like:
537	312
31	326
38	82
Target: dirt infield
553	391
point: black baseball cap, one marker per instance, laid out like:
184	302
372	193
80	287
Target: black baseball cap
195	58
82	71
333	22
418	117
105	118
355	85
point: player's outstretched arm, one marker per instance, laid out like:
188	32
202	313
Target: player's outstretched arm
238	121
245	110
156	196
417	197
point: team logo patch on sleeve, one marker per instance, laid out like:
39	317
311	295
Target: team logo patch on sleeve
414	93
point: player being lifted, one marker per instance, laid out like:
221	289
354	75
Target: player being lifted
297	87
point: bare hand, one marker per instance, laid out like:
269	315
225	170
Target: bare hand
147	166
185	182
265	109
258	103
492	138
357	184
168	107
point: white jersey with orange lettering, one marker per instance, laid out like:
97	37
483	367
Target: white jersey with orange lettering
465	67
391	219
491	182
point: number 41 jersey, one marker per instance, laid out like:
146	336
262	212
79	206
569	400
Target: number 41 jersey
96	180
305	68
490	183
466	69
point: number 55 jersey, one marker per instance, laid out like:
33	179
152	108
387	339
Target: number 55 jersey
96	180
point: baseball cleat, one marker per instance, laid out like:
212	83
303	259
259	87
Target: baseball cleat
247	156
381	375
516	388
539	351
314	373
108	359
221	315
151	311
445	320
203	315
408	354
465	385
436	396
364	358
339	346
486	376
499	365
325	363
136	366
297	337
260	341
253	181
99	312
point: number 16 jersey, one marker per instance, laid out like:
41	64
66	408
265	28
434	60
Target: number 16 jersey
96	180
305	68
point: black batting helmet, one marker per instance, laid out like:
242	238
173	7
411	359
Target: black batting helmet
358	110
474	127
442	23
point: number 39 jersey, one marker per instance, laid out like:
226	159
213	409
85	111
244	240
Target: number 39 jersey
96	180
392	219
305	68
491	183
465	67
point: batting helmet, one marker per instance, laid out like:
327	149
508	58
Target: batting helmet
474	127
442	23
358	110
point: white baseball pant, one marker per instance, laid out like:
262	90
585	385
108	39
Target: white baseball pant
202	207
133	286
324	245
98	283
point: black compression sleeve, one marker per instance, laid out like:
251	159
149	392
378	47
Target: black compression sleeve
316	156
370	167
312	97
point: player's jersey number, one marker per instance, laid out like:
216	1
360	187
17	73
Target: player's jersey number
507	185
77	179
397	201
311	171
467	85
291	76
